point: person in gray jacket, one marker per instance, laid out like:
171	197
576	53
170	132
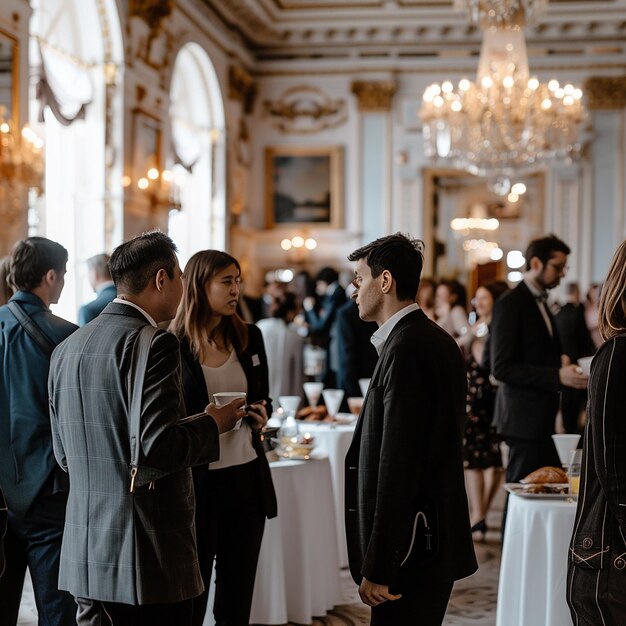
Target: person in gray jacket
129	552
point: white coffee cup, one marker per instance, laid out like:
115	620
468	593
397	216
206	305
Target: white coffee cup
585	365
224	397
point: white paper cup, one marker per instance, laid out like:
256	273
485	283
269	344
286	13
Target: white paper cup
585	364
364	384
224	397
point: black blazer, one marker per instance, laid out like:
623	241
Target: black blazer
406	508
597	558
525	360
357	355
254	363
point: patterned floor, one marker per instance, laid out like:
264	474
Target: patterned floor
473	601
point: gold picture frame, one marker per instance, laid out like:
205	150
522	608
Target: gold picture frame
303	186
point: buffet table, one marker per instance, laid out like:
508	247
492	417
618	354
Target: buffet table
533	569
335	440
298	572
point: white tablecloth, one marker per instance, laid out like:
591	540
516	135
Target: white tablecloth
335	440
531	590
298	572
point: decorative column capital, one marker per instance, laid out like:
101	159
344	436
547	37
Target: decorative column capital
241	87
605	92
374	96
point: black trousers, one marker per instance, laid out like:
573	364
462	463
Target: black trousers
97	613
526	455
425	606
34	541
230	518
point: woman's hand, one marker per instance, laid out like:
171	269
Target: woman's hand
227	415
257	415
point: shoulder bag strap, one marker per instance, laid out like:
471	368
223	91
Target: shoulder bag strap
136	375
34	332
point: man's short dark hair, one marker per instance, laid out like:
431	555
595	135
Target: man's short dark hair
327	275
544	248
32	259
99	263
135	262
402	256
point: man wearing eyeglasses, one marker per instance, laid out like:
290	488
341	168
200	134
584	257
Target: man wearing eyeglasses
527	361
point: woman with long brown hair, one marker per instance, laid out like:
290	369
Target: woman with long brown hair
234	495
596	589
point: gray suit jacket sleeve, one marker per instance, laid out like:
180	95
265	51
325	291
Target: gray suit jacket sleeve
165	444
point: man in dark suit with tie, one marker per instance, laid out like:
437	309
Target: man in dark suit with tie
527	361
407	521
34	486
101	282
129	551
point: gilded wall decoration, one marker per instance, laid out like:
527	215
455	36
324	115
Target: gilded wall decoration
374	96
305	110
154	43
605	92
242	88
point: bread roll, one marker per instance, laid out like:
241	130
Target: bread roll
545	475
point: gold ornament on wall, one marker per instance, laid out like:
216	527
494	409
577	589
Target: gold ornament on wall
304	110
374	96
606	92
242	88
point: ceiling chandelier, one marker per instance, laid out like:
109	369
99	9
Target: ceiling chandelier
21	167
506	122
499	13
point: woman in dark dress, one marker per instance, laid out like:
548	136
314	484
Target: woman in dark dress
596	581
482	458
234	496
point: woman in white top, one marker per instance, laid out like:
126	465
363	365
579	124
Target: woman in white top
284	347
450	307
234	495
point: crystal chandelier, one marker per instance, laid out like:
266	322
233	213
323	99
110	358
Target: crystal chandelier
499	13
21	167
506	122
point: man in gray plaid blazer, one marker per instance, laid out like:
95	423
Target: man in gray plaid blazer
129	556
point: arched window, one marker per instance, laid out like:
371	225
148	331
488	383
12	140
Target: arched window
197	115
76	57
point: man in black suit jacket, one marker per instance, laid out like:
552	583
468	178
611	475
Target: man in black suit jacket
407	521
576	342
357	355
526	359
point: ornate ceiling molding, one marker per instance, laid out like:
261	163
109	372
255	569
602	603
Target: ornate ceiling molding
287	32
374	96
605	92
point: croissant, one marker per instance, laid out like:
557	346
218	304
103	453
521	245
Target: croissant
546	475
312	413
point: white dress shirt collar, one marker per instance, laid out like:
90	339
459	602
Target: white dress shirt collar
382	334
129	303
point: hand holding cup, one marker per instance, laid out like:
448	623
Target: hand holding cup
227	416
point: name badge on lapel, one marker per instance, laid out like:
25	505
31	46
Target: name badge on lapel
255	360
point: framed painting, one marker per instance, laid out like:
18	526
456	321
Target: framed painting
303	186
